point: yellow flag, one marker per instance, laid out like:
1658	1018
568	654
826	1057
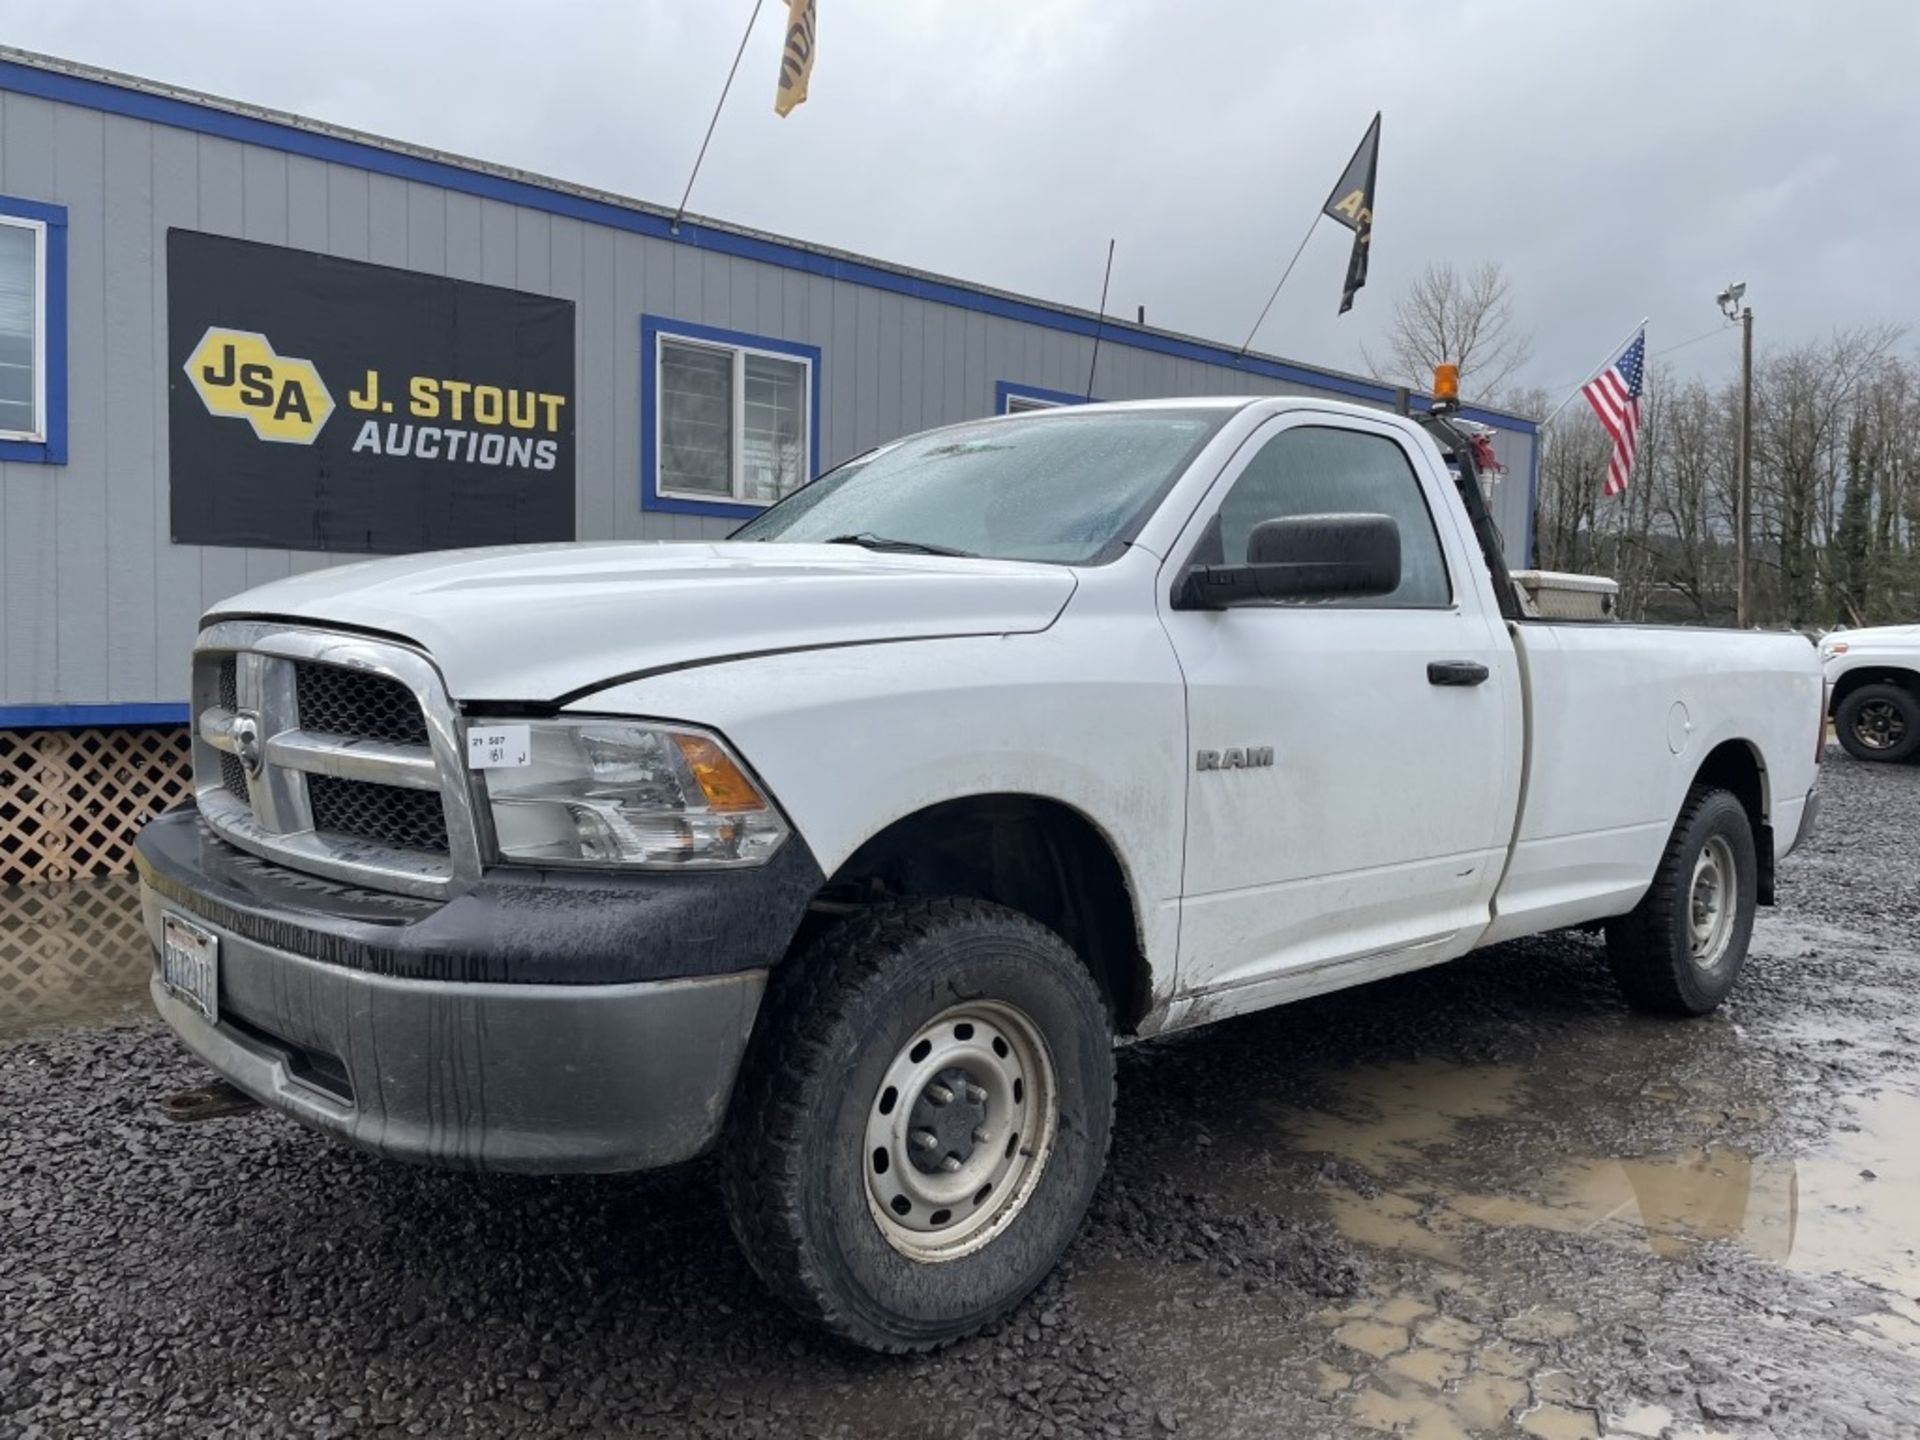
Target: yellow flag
796	60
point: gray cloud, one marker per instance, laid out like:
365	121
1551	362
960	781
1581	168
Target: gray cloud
1619	160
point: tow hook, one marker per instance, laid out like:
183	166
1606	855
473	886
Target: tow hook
207	1102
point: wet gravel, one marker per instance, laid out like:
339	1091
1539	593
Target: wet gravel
242	1277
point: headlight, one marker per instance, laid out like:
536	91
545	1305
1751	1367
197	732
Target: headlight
1833	648
619	792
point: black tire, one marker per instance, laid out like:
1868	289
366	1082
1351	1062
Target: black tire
1879	722
794	1163
1650	947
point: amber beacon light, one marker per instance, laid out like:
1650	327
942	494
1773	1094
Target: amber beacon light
1446	384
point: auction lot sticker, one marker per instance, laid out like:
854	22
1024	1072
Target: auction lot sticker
325	404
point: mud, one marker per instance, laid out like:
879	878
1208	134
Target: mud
1485	1200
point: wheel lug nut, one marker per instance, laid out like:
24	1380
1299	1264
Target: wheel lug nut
951	1163
939	1094
926	1140
977	1095
980	1135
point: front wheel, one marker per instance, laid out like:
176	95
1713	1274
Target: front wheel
1680	949
921	1122
1879	722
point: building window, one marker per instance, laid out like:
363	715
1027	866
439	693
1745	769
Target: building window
732	421
33	326
1010	398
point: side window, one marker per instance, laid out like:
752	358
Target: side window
1311	470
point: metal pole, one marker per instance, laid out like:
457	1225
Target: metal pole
1612	355
1100	324
1743	592
1298	252
687	194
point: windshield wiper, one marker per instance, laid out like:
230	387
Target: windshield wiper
867	540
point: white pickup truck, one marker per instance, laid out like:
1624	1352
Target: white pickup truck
853	845
1873	676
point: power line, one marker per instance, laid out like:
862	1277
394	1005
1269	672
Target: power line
1657	354
1703	335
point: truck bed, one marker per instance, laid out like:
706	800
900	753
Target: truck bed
1619	721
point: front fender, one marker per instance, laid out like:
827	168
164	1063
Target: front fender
1091	715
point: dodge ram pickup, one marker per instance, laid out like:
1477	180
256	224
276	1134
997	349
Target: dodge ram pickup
852	846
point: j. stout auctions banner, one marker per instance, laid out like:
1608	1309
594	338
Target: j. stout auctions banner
322	404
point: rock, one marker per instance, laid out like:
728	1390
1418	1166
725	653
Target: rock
1730	1401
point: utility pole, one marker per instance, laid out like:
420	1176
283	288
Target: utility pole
1743	595
1729	302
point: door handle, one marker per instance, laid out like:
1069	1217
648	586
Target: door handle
1457	672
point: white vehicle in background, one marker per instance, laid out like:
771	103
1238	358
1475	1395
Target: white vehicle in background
1874	680
853	845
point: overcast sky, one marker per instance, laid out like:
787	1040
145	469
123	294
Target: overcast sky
1619	160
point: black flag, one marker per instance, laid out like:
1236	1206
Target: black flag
1351	203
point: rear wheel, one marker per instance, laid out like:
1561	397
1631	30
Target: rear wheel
922	1121
1680	949
1879	722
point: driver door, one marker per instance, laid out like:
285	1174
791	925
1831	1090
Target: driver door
1375	835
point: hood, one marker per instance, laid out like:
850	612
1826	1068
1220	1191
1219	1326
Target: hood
1875	636
539	622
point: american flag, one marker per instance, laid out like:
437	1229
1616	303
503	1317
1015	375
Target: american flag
1615	396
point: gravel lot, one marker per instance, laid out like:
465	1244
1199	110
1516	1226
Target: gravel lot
1485	1200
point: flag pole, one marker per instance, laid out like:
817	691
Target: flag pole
687	194
1612	355
1101	323
1248	345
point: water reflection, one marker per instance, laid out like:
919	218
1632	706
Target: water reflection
69	953
1851	1208
1673	1203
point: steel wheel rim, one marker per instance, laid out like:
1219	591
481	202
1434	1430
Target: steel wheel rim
1879	725
992	1134
1712	900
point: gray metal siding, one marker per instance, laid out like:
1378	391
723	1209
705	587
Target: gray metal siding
100	606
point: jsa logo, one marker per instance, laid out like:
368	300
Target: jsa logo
237	374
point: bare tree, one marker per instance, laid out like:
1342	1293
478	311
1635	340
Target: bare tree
1460	317
1836	490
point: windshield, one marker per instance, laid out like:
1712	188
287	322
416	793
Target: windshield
1068	488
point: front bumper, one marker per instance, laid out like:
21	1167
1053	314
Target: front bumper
538	1023
546	1078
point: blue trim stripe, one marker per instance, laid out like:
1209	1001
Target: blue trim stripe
652	327
53	449
272	134
1003	389
47	717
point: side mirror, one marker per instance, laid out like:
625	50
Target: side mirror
1303	557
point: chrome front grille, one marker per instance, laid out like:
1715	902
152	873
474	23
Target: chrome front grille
387	814
334	754
337	701
233	777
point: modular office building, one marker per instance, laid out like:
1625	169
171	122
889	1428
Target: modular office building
236	345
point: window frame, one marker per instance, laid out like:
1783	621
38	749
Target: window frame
1005	392
655	331
47	443
1204	521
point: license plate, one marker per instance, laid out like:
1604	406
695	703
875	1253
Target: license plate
190	964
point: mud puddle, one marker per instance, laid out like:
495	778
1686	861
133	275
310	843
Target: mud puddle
1851	1208
1457	1175
71	953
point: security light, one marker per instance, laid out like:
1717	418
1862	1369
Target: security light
1729	299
